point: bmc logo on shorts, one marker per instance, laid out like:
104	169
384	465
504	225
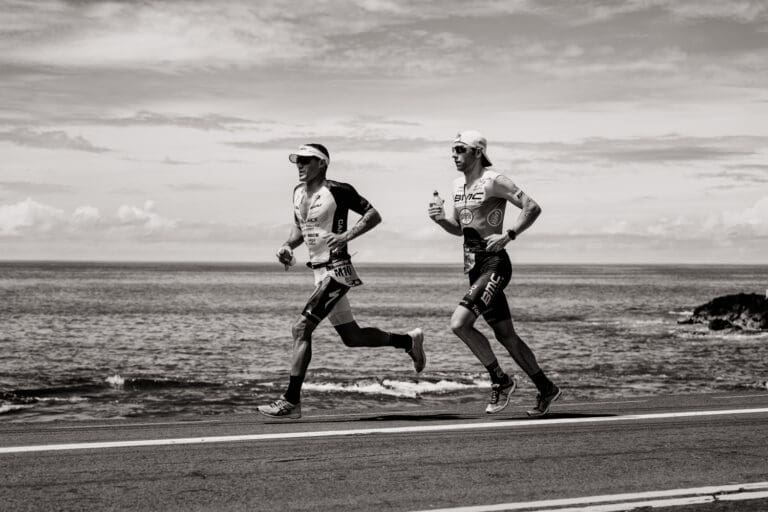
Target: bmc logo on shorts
490	288
495	218
466	216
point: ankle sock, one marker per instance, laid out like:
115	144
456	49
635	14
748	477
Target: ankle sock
497	374
293	393
543	384
402	341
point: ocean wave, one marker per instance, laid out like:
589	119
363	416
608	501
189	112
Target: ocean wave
148	384
396	388
11	408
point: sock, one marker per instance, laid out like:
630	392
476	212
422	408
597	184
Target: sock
402	341
543	384
497	374
293	394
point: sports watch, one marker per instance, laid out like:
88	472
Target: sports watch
512	234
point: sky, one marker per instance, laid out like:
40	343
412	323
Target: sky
160	130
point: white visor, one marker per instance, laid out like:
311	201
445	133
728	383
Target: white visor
308	151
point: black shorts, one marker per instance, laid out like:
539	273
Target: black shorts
327	294
490	275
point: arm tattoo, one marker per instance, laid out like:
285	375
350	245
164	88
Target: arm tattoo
368	221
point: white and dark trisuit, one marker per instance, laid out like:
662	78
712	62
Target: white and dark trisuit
326	212
480	212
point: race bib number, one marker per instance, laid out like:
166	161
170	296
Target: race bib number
344	272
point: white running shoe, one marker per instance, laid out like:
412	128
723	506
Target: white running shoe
417	350
500	395
281	408
543	402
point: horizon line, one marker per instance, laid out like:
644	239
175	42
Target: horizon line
370	263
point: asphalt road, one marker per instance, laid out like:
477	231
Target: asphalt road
414	459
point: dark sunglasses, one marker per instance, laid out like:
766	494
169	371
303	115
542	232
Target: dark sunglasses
304	160
460	150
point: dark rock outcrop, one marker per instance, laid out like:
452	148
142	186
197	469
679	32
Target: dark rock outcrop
747	311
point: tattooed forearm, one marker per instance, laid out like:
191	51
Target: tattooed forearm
368	221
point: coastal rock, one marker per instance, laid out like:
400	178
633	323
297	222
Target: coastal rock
747	311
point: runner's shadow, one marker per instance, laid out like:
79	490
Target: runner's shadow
557	416
416	417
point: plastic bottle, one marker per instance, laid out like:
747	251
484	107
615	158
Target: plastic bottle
438	201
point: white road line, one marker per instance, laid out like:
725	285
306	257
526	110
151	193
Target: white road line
630	501
390	430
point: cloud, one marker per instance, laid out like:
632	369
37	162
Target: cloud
29	217
360	142
662	149
27	187
739	224
32	219
144	118
49	140
144	217
750	221
738	10
197	187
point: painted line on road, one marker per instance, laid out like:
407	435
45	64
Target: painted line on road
370	431
630	501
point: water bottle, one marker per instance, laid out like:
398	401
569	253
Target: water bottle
438	201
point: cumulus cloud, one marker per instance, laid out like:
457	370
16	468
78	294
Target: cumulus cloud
737	224
29	217
752	220
144	217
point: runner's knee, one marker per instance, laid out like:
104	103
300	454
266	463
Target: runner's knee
460	325
302	329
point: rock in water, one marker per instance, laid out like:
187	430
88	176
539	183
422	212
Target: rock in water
741	311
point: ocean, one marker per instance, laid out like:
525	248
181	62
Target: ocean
88	341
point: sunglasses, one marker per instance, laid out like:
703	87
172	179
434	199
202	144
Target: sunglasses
304	160
460	150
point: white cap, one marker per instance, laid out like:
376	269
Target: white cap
309	150
474	139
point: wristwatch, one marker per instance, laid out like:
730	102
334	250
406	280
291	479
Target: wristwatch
512	234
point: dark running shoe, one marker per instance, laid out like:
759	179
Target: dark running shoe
543	402
500	394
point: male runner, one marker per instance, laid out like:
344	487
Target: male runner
479	200
320	208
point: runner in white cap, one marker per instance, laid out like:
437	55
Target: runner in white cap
320	208
479	201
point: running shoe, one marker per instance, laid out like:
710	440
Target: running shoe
500	394
417	350
543	402
281	408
